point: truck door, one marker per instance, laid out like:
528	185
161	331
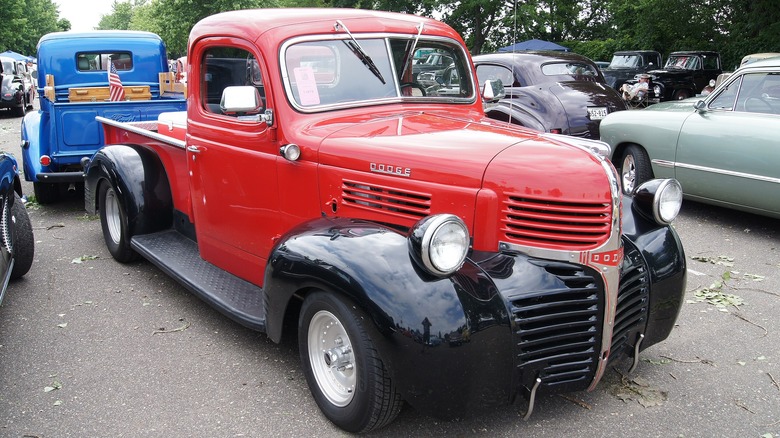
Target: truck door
231	159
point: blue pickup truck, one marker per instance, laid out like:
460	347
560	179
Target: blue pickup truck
74	88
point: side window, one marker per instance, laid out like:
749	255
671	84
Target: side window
491	72
760	93
725	99
223	67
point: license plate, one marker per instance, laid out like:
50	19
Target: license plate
597	113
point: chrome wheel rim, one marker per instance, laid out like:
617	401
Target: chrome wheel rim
628	173
331	358
113	216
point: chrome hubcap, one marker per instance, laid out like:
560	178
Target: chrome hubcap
331	358
113	216
628	172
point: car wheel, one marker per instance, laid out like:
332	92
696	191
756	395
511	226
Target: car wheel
343	369
681	94
634	168
19	111
46	193
22	240
113	220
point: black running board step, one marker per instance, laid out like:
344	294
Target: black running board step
178	257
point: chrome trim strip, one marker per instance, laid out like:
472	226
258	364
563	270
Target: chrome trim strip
665	163
137	128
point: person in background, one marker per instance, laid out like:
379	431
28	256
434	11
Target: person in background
637	90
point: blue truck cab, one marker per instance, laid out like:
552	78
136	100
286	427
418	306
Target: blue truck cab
73	85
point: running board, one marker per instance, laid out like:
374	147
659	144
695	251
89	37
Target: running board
178	256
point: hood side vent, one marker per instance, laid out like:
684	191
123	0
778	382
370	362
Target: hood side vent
386	200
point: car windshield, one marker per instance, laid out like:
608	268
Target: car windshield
8	66
321	74
625	61
685	62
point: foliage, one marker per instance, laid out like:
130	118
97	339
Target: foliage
594	28
25	22
120	17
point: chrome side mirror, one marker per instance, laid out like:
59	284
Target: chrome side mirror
493	90
241	100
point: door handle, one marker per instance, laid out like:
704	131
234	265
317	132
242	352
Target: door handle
194	149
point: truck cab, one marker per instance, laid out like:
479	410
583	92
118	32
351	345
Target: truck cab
420	251
73	85
627	64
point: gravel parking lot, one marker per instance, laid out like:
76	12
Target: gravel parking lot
91	347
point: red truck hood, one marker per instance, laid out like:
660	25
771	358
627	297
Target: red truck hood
440	149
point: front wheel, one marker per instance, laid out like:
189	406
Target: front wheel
634	168
113	220
343	369
681	94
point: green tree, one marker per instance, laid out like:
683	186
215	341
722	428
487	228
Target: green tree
24	22
478	21
120	16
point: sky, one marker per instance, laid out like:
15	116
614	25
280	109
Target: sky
83	15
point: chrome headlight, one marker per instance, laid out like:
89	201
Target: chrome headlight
659	199
439	243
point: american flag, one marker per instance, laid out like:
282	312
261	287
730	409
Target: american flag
116	91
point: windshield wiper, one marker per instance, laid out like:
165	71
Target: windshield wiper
354	45
410	52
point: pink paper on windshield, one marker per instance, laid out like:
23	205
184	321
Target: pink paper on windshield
307	86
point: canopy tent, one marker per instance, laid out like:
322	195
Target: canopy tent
533	45
17	56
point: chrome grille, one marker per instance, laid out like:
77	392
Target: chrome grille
558	224
558	331
387	200
632	302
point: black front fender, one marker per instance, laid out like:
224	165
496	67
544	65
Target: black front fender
445	341
140	180
664	256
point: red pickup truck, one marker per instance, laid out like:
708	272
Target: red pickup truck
426	253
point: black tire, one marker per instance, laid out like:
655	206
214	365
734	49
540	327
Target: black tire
23	239
635	168
113	221
46	193
681	94
19	111
347	377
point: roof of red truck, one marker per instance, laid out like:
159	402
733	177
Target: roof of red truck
252	23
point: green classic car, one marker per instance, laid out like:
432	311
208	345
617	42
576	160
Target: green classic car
724	148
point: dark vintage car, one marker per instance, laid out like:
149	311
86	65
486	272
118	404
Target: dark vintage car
684	75
627	64
17	92
558	92
16	235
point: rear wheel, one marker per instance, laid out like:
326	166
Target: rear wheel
46	193
634	168
23	240
113	220
343	369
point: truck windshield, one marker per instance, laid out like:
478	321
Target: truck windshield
625	61
325	73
